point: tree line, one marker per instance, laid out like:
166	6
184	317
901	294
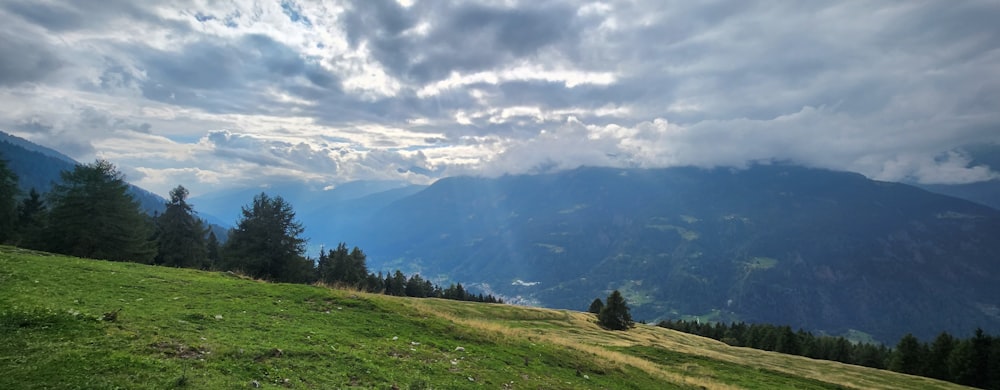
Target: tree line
974	361
346	269
91	214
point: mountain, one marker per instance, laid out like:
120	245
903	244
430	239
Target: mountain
33	147
983	192
328	214
822	250
169	328
39	167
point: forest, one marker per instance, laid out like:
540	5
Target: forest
90	214
973	361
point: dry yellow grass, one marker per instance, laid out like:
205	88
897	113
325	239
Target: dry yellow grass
579	331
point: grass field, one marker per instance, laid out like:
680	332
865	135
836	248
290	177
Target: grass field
178	328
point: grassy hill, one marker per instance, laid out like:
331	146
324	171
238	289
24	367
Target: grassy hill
180	328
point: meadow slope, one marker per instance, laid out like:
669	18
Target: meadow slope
179	328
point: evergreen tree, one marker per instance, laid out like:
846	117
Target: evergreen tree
937	357
32	215
908	357
396	285
615	315
266	243
596	306
374	283
961	363
94	216
415	287
993	365
356	267
787	341
8	201
181	235
338	264
981	344
212	250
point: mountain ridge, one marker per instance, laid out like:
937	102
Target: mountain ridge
720	244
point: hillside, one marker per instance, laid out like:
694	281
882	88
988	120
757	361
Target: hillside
39	167
180	328
816	249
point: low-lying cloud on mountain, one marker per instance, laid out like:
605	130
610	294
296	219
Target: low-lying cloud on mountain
217	94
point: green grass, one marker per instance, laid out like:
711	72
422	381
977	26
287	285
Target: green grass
209	330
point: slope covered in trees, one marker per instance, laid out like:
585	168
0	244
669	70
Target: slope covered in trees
821	250
92	215
974	361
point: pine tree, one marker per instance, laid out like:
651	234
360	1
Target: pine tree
908	357
981	344
787	341
937	357
212	250
339	263
961	363
993	365
180	235
356	267
415	287
32	215
266	243
596	306
8	201
94	216
615	315
396	285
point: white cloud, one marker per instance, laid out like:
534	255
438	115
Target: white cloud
336	91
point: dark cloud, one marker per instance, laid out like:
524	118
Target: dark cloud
25	60
53	16
467	37
81	14
34	125
226	76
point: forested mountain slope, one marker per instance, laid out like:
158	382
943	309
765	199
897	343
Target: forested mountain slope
817	249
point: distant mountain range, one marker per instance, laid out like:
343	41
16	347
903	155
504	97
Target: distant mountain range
39	167
817	249
811	248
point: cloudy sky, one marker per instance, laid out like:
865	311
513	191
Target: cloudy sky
213	94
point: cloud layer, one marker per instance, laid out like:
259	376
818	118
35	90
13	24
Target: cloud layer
217	94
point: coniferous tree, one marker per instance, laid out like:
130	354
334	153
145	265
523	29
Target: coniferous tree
92	215
266	243
787	341
937	357
415	287
180	235
993	365
356	267
32	215
338	264
961	363
212	250
596	306
396	284
615	315
981	344
908	357
8	201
